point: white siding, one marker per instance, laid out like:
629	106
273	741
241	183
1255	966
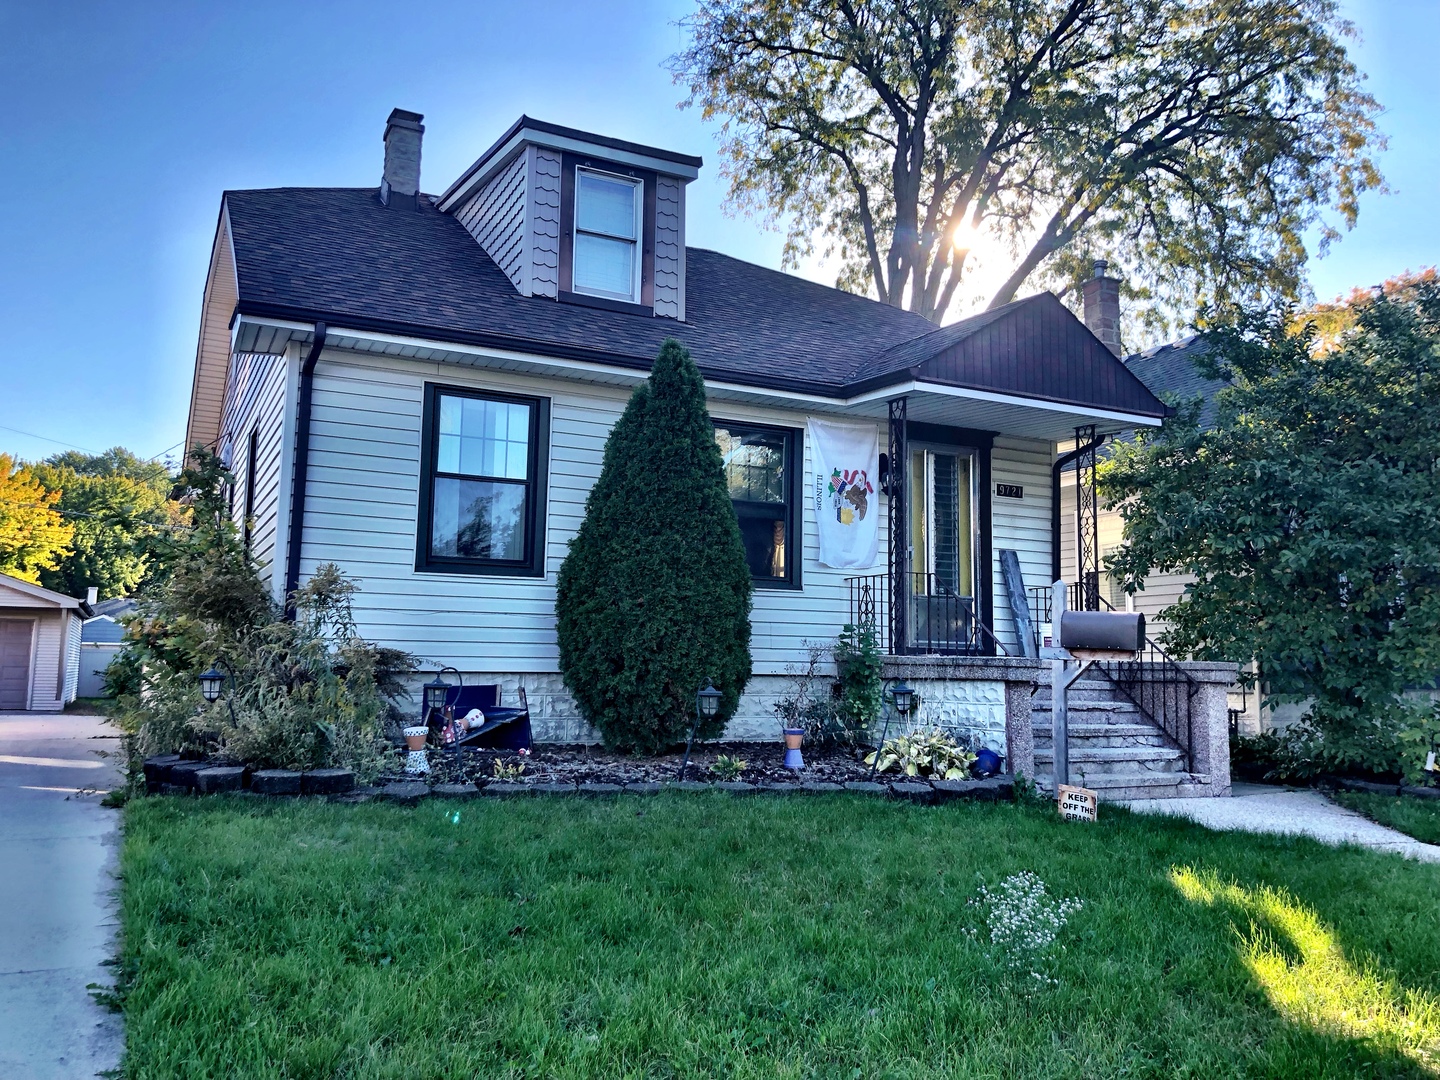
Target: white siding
72	656
1020	525
255	401
46	686
362	508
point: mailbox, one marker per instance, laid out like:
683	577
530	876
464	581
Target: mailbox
1107	631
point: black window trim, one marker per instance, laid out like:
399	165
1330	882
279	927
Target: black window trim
794	511
533	563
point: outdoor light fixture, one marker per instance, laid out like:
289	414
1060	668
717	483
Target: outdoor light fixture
707	707
212	683
436	692
904	698
707	701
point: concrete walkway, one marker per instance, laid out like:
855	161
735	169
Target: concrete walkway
57	918
1261	808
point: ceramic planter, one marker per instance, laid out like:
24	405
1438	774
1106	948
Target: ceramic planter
793	738
415	737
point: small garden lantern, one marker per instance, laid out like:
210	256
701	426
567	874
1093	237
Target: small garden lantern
437	691
707	707
212	683
904	698
707	701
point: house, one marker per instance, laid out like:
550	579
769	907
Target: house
39	646
101	638
419	388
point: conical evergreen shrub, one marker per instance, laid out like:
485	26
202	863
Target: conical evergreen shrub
654	595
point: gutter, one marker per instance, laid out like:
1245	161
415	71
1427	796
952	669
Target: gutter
302	465
1060	463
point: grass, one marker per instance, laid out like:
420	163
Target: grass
708	936
1419	818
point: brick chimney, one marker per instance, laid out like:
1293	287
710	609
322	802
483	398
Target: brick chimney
400	183
1102	307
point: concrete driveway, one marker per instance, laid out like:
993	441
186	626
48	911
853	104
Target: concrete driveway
57	916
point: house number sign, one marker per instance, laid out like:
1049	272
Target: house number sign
1009	491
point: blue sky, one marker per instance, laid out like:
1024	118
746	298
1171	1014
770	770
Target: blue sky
124	122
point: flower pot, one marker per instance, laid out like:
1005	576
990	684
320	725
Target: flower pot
415	737
793	738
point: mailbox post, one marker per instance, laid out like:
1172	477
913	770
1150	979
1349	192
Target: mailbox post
1080	639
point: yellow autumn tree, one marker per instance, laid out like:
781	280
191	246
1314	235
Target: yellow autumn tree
33	535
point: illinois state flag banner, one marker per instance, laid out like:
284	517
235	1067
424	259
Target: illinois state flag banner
846	463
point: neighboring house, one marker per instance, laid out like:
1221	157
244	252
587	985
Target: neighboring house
100	639
39	646
419	388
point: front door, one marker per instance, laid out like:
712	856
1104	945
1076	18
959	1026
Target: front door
15	640
942	550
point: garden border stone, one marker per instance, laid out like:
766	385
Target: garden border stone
157	770
866	787
405	792
820	787
1420	792
592	787
182	774
220	778
736	787
501	790
455	791
327	782
648	787
275	782
913	791
553	789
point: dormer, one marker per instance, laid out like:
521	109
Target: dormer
580	218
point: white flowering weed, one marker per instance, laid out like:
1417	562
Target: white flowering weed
1022	921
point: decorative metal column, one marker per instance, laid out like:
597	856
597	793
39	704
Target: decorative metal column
899	529
1087	522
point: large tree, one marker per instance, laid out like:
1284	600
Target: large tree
1309	515
654	596
118	504
1194	143
34	538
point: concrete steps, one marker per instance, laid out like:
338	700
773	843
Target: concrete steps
1114	749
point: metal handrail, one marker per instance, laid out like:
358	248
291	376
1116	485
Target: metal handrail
951	625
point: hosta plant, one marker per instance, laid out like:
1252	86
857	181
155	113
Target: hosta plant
928	752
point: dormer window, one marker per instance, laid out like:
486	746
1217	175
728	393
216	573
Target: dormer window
608	229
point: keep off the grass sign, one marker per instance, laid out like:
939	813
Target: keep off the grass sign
1077	803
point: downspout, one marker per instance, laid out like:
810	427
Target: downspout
302	462
1060	463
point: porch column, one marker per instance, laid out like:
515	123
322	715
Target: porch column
899	546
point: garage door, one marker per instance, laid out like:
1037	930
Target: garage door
15	663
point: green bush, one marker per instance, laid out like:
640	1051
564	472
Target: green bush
308	691
858	666
653	598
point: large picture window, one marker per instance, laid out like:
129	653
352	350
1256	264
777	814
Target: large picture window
760	470
483	489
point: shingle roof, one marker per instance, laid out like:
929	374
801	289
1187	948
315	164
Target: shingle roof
1170	370
338	254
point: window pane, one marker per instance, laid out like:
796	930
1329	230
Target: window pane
604	266
484	438
765	548
754	464
605	206
477	519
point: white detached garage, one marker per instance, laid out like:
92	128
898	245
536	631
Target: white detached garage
39	646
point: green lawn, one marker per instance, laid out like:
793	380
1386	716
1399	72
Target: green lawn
1419	818
711	936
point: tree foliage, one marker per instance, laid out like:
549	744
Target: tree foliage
654	596
307	692
1193	143
34	537
1309	515
119	506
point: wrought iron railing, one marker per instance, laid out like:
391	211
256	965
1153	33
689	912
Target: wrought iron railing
935	620
1159	687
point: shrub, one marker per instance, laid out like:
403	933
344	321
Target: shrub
653	598
858	665
308	691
